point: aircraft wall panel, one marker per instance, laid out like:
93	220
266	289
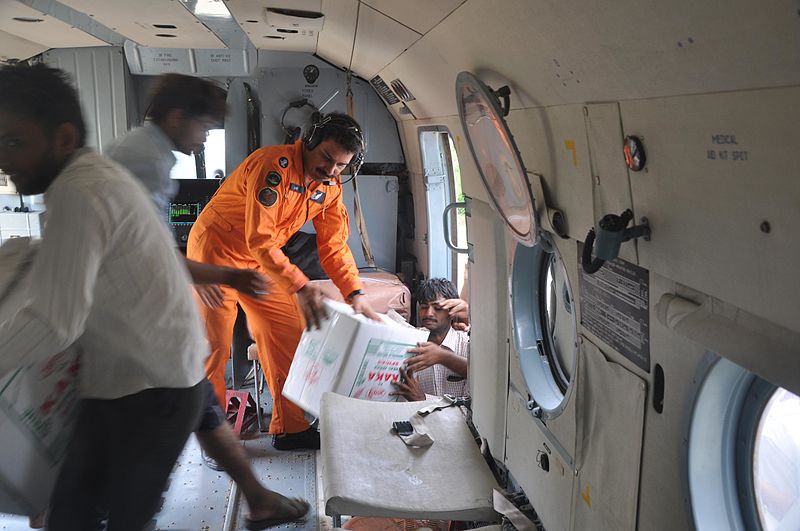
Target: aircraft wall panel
663	493
721	191
549	492
488	359
611	188
281	81
553	143
100	77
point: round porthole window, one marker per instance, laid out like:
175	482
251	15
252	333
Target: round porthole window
545	327
744	452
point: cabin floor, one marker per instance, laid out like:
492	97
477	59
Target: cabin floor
200	499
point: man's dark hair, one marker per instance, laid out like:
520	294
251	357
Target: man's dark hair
433	288
43	94
342	129
191	95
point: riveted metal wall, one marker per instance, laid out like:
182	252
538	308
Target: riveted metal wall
101	78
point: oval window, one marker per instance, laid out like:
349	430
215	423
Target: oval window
545	327
496	156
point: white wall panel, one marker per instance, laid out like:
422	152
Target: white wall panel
553	143
611	189
488	345
550	492
662	490
281	81
707	214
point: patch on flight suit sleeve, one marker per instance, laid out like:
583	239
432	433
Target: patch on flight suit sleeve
273	178
283	162
267	196
318	197
294	187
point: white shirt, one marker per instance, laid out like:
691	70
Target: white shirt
146	152
108	280
438	380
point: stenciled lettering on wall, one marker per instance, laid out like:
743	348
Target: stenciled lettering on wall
615	306
725	147
165	59
223	57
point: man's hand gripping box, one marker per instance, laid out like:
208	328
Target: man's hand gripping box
37	403
349	355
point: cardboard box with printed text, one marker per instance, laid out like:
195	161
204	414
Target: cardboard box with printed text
350	355
37	403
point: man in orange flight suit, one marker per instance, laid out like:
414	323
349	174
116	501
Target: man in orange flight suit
266	200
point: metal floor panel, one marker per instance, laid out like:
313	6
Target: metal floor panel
197	498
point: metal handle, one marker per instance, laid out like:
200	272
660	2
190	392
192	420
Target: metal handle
448	234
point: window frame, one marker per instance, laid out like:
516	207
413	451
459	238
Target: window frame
530	335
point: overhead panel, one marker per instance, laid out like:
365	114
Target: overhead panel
151	23
48	32
379	40
13	47
269	27
419	15
336	38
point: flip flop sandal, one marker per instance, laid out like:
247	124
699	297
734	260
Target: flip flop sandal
293	509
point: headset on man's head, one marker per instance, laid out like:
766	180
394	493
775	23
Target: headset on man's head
340	121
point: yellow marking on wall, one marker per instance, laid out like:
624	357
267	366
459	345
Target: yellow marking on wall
570	145
586	494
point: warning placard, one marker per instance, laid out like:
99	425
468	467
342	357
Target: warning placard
615	306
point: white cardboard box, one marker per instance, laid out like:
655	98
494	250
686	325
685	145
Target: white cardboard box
349	355
37	404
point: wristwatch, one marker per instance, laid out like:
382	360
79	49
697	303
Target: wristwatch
349	298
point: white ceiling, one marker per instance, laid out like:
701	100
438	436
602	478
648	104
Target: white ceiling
548	52
418	15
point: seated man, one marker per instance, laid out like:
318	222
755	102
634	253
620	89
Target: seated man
439	365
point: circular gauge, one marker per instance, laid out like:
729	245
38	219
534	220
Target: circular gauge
633	149
496	156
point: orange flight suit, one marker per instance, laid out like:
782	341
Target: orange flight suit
253	214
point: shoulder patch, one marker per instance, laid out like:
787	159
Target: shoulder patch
283	162
318	197
294	187
267	196
273	178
